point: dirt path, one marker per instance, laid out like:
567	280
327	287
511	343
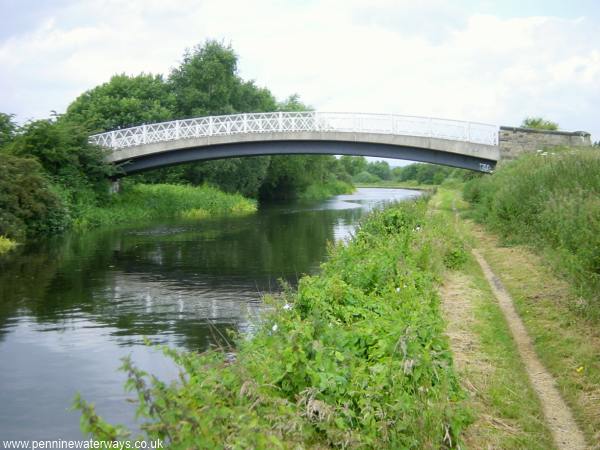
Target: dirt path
565	431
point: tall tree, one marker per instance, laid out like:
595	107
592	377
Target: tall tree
207	83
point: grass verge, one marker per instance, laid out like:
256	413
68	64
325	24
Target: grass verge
145	202
356	358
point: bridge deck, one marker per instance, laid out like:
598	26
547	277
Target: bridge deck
462	144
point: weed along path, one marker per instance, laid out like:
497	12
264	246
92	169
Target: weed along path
564	429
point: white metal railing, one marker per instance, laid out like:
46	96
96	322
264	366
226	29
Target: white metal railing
479	133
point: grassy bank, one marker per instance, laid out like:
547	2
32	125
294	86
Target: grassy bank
325	190
356	358
550	201
6	245
145	202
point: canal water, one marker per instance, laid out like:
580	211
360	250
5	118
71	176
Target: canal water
71	307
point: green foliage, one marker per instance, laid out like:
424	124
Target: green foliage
64	152
427	173
28	203
356	358
323	191
539	123
243	175
293	103
552	201
122	102
290	176
6	244
456	256
140	202
8	129
206	83
353	165
381	169
365	177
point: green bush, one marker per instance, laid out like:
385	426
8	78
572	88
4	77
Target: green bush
550	200
29	205
63	150
356	358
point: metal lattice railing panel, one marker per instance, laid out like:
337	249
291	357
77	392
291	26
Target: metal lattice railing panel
285	122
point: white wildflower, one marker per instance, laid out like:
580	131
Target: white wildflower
275	327
397	289
287	306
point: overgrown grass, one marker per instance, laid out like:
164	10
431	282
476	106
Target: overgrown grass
322	191
6	244
356	358
144	202
551	201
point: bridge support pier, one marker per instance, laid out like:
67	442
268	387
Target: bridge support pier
115	186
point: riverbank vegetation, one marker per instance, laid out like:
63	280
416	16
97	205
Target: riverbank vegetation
551	201
355	358
144	202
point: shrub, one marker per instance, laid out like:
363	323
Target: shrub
29	205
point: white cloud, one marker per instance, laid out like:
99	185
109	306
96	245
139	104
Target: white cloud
386	56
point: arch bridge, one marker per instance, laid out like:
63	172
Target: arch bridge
468	145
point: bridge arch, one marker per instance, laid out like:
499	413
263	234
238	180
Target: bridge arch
467	145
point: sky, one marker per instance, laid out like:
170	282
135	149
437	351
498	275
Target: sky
485	61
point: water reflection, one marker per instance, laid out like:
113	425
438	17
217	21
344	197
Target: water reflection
72	306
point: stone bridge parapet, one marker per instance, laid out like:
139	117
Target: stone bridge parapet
514	141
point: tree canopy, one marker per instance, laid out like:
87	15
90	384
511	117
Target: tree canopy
122	102
207	83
